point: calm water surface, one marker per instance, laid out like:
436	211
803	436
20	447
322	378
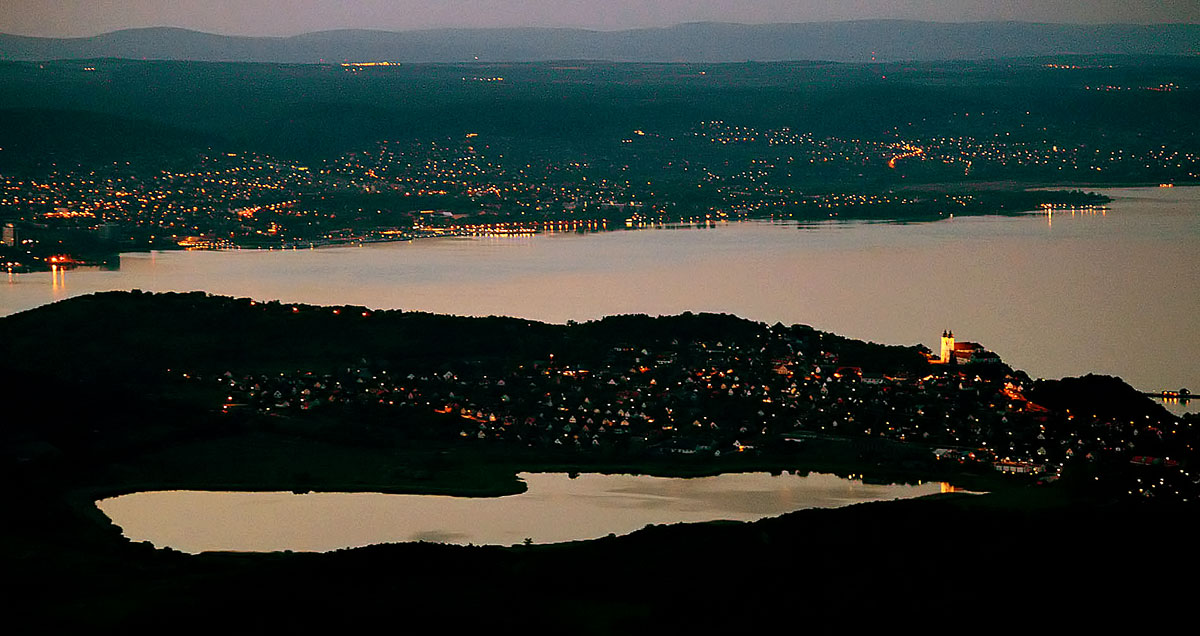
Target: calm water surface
555	508
1058	295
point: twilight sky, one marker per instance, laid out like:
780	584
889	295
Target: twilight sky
70	18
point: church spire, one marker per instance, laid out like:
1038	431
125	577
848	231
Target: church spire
947	346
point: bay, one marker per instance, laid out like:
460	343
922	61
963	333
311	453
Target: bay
1055	294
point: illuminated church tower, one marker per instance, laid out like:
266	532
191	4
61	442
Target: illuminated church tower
947	347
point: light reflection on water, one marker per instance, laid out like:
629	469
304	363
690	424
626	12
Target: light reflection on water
1055	294
1179	407
555	508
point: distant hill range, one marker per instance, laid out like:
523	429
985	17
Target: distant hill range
856	41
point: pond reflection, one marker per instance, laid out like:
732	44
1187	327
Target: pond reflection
555	508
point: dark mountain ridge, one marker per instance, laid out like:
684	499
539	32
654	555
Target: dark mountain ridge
853	41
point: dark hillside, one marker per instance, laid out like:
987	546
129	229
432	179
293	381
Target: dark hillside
860	40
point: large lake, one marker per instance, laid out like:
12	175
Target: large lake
555	508
1056	295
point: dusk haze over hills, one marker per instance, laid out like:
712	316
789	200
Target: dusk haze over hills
856	41
75	18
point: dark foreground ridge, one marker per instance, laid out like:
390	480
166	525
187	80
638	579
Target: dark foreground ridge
132	391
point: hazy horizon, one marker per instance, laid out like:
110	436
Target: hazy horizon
276	18
572	28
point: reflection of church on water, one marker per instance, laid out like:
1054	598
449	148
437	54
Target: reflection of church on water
963	352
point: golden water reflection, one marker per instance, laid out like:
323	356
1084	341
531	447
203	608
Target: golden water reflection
555	508
1099	292
58	280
